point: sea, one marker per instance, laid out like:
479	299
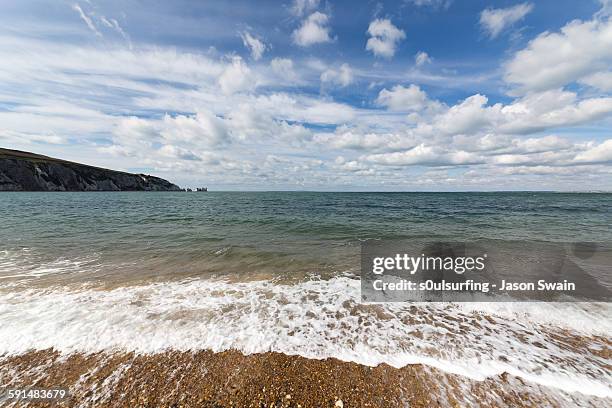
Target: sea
280	271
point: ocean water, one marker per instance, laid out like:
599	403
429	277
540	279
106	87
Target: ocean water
278	271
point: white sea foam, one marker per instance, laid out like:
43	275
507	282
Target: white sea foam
316	319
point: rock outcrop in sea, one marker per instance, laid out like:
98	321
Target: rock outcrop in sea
24	171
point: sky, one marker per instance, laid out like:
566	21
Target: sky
412	95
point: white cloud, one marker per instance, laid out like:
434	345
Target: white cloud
254	45
314	30
469	116
44	123
302	7
421	58
384	38
201	129
88	21
425	155
540	144
94	20
600	153
236	77
606	9
347	138
101	67
132	135
342	77
504	144
553	60
533	113
550	109
179	138
296	108
535	159
283	67
46	138
494	21
174	152
599	80
114	24
252	124
400	98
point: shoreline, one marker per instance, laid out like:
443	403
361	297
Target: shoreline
232	379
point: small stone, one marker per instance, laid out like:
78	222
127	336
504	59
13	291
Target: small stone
339	404
288	396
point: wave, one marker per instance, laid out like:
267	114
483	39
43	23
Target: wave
557	345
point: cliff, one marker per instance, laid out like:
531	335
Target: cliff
23	171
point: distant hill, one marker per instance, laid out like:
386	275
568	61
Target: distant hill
24	171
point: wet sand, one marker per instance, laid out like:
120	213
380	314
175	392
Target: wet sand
232	379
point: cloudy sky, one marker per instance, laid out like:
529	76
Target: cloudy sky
316	95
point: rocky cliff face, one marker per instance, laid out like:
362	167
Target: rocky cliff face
22	171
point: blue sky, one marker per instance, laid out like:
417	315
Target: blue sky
316	95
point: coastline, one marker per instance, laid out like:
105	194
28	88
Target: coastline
232	379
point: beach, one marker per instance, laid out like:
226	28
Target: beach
232	379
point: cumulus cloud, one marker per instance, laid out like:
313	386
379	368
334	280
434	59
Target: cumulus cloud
555	59
495	21
425	155
599	80
600	153
548	143
256	46
305	109
533	113
550	109
348	138
536	159
476	125
175	152
351	166
384	38
341	77
202	129
179	135
494	144
468	116
132	135
400	98
283	67
314	30
236	77
249	123
532	155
